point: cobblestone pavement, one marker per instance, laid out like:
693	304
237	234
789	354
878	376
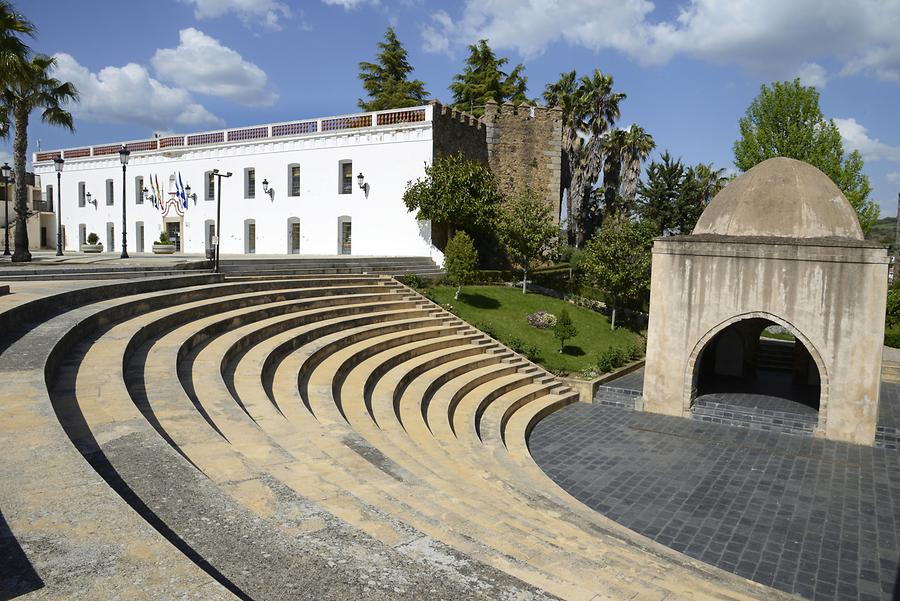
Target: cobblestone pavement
807	516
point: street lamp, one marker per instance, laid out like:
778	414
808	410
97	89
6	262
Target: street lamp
59	234
123	157
218	213
5	172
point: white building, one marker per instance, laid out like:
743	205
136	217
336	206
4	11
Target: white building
293	188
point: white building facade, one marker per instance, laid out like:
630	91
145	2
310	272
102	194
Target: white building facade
294	187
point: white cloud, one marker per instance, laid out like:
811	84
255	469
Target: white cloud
856	137
812	74
894	177
200	63
129	95
349	4
773	37
268	13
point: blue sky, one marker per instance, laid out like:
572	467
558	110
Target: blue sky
689	68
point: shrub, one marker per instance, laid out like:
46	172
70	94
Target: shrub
541	320
531	352
564	329
163	238
412	280
892	338
93	238
612	358
892	316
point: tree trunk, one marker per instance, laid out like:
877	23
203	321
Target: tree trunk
456	296
612	323
524	279
20	148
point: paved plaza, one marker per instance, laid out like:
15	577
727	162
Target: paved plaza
807	516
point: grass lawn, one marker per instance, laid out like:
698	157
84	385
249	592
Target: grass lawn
503	310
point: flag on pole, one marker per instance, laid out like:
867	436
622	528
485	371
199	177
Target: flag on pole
184	202
153	193
158	191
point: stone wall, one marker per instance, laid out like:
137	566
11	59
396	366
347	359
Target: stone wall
524	147
456	131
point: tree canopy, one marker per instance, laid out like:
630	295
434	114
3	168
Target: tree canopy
456	191
527	230
483	80
617	260
387	80
785	120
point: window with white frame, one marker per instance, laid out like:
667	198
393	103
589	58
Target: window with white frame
210	185
294	180
249	182
48	201
139	190
345	174
109	192
81	200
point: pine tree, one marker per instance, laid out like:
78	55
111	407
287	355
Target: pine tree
386	82
483	80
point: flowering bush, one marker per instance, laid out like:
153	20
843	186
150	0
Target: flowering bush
541	320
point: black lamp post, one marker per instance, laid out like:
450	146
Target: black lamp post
5	172
123	157
218	214
59	233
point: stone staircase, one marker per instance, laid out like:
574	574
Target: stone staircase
323	437
297	265
775	355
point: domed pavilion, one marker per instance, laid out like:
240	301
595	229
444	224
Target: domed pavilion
775	303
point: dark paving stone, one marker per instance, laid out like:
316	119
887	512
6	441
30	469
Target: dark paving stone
808	516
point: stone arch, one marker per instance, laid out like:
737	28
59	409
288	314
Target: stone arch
691	372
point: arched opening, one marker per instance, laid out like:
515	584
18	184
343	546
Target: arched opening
757	364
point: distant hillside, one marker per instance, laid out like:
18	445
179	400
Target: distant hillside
883	231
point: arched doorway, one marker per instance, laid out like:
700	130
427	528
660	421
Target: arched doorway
760	365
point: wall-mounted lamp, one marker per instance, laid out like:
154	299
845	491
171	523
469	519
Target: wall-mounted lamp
90	200
361	180
187	193
147	196
268	190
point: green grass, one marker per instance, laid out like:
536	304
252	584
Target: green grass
778	336
503	312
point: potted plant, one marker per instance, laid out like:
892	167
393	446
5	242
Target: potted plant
93	244
163	246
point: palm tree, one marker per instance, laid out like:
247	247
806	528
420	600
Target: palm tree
564	94
638	145
12	48
710	180
30	87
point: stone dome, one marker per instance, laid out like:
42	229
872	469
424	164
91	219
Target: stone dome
781	197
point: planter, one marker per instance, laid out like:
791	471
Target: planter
163	249
92	248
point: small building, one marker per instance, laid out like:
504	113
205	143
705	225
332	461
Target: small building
317	186
41	222
779	247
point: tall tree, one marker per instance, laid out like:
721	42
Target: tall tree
638	145
460	261
30	87
785	120
483	80
589	112
527	230
13	50
387	81
674	195
617	260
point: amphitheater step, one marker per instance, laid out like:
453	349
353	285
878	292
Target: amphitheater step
709	409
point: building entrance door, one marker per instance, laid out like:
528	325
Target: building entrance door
251	238
173	228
